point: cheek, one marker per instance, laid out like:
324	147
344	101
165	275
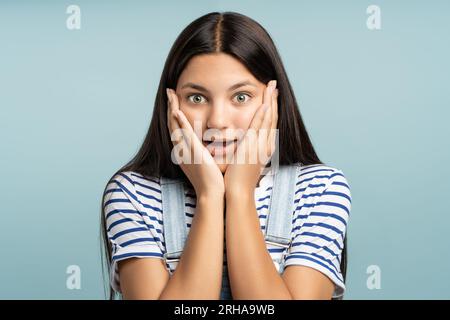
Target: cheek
195	118
243	119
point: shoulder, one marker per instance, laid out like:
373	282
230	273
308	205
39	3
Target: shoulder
321	176
134	179
138	188
321	186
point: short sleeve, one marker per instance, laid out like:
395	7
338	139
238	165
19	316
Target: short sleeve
319	229
129	229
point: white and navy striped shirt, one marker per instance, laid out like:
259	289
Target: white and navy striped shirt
133	210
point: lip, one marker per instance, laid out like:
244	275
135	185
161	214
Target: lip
219	147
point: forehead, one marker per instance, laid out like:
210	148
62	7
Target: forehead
216	71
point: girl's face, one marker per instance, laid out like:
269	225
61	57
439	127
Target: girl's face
216	91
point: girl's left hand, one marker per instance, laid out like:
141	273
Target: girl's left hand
258	144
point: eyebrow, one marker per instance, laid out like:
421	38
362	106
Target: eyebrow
233	87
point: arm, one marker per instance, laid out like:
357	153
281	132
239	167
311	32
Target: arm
199	272
251	270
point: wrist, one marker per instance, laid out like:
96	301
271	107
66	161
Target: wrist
216	197
241	192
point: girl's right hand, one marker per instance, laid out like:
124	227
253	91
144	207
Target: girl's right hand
205	176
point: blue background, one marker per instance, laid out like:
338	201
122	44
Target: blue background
75	106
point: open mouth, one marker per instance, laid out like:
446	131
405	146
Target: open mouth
219	147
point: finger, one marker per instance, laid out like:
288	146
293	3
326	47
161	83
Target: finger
185	126
264	133
199	153
175	110
273	112
176	134
268	115
274	125
264	130
170	115
172	120
259	114
193	139
175	104
274	122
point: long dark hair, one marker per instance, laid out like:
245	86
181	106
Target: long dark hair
245	39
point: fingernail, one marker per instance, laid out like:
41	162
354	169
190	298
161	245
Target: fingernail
274	83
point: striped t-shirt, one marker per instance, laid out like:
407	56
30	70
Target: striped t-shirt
133	209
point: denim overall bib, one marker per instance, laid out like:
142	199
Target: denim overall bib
278	227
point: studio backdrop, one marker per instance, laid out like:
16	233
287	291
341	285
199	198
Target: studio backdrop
77	90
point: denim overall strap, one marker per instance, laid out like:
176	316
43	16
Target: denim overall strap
174	219
279	221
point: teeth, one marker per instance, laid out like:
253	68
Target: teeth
219	142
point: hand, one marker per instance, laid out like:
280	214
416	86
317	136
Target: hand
204	174
258	142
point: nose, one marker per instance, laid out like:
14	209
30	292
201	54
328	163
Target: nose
218	117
